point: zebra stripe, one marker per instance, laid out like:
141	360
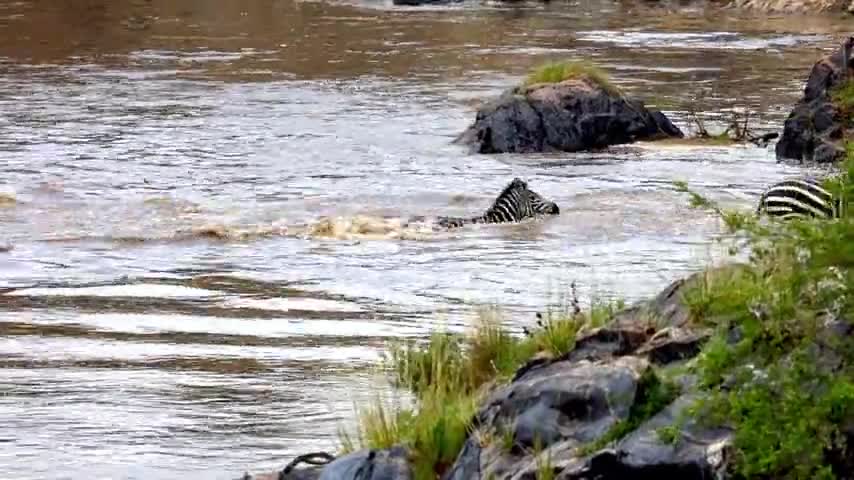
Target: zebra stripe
799	198
514	204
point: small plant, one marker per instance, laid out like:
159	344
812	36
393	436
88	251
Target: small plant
556	72
543	459
843	97
669	435
652	396
434	433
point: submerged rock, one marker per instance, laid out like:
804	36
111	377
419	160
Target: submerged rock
573	115
815	130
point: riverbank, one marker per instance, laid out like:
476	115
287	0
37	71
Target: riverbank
741	370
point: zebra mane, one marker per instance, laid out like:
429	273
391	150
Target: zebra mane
515	184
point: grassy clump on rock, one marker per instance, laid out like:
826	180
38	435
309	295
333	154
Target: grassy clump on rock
556	72
779	369
448	375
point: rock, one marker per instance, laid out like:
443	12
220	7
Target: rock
672	345
688	452
572	115
558	407
815	129
391	464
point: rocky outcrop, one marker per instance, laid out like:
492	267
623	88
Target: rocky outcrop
560	409
691	452
795	6
573	115
816	129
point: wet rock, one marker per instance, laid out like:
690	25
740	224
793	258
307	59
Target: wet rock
669	445
560	406
673	345
389	464
569	116
816	129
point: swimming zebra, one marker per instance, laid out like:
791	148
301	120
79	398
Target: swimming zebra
799	198
514	204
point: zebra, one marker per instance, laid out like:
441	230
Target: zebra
799	198
514	204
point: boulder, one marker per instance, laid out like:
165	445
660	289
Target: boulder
558	408
390	464
816	129
573	115
690	451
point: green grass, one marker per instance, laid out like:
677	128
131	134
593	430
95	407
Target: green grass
434	432
762	373
556	72
843	97
543	461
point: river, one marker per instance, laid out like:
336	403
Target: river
201	203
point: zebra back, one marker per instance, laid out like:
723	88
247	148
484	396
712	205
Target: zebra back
799	198
514	204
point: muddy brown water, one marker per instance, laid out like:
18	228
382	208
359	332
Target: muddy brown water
200	204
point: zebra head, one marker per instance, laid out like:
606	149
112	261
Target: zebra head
542	206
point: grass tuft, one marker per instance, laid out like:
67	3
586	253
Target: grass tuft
843	97
448	374
556	72
654	393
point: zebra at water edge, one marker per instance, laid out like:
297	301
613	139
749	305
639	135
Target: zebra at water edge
799	198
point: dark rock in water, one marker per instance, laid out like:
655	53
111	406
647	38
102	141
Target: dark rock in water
389	464
815	130
569	116
687	452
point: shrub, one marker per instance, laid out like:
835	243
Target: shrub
770	371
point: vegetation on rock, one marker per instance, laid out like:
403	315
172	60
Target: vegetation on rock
843	97
780	368
449	373
556	72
